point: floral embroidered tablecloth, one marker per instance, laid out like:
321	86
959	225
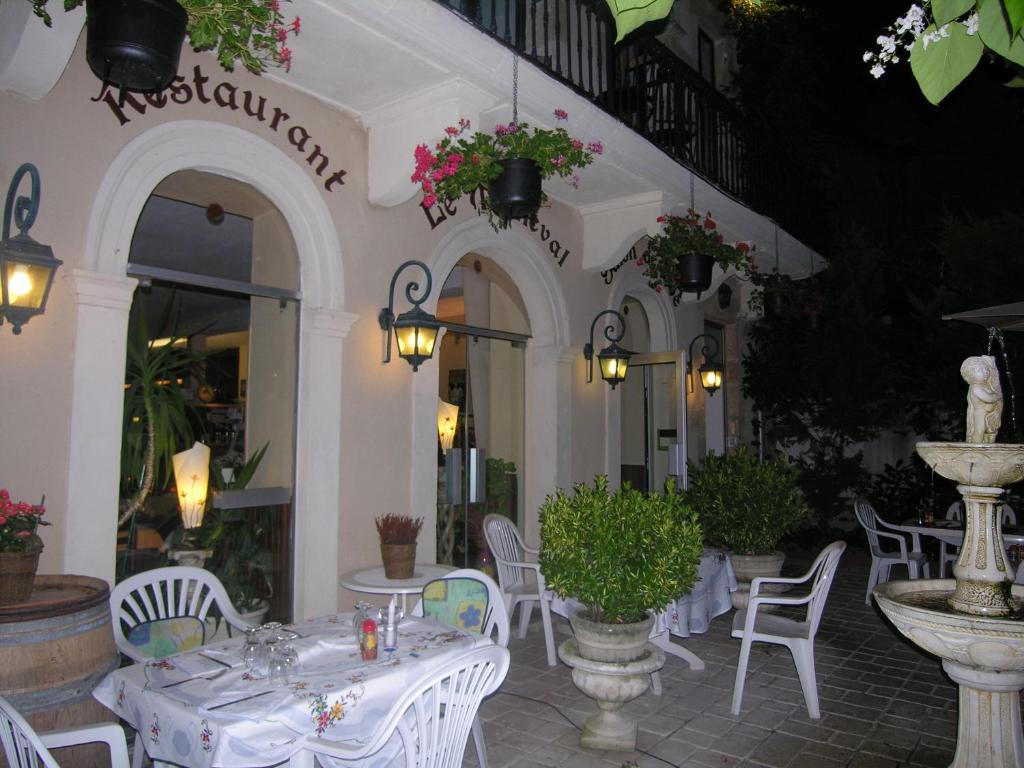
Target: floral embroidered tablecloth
193	710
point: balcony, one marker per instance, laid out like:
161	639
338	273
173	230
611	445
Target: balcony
641	83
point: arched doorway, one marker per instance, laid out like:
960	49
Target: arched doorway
103	297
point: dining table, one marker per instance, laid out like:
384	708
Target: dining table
688	614
952	532
204	708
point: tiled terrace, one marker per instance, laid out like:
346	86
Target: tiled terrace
884	703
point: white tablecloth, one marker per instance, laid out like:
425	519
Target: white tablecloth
337	695
692	613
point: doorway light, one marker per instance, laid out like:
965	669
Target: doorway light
415	330
613	359
710	371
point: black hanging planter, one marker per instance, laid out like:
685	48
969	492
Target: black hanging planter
515	194
135	44
694	273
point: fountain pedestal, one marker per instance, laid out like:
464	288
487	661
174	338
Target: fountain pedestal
989	731
982	571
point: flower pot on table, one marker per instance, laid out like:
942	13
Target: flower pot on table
17	575
516	193
399	560
135	44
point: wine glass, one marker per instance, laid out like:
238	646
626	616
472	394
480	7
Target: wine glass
252	651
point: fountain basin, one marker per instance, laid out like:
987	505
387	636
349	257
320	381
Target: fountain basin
918	610
986	464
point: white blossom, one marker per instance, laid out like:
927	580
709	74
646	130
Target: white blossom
972	24
868	56
934	37
878	70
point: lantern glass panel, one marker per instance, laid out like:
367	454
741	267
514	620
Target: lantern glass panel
26	284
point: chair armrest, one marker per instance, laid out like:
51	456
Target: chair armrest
530	550
778	600
110	734
898	537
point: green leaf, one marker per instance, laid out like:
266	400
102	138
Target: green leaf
944	64
994	30
1015	14
944	11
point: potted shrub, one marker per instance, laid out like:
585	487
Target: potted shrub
747	505
680	259
622	555
511	163
135	44
398	534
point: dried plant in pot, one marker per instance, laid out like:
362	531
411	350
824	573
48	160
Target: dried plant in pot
398	534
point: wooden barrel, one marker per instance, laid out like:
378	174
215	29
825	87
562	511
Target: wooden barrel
54	649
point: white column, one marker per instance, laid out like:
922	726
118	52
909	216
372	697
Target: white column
97	399
548	429
316	507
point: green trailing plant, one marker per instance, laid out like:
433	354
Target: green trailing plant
500	482
744	504
156	406
252	32
621	554
398	529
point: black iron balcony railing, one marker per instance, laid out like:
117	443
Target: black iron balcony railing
640	82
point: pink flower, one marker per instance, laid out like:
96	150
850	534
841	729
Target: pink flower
475	159
3	521
577	144
641	261
463	123
285	57
742	248
281	33
596	147
297	25
427	186
561	114
709	223
661	219
558	162
438	175
424	158
429	201
657	288
275	6
451	130
22	534
501	130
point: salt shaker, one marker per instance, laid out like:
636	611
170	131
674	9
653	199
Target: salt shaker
368	640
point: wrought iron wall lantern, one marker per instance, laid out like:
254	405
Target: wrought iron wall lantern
613	359
415	330
710	371
26	267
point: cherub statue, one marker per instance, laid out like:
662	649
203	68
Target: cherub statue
984	398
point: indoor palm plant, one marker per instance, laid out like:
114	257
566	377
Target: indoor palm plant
510	163
680	258
746	505
20	547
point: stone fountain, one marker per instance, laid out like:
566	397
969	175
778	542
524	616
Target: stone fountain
973	621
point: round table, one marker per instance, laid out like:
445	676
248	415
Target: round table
373	581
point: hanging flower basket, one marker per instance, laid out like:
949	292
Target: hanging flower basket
516	192
511	163
680	259
135	44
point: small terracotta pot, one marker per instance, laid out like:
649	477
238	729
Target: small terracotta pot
17	575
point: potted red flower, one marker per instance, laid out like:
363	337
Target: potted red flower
511	163
680	259
19	547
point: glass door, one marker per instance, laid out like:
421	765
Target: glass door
653	422
482	472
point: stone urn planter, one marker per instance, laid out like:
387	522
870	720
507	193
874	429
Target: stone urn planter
612	664
748	568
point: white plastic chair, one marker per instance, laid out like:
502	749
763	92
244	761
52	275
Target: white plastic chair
752	625
948	553
882	560
165	593
495	621
431	721
521	582
25	748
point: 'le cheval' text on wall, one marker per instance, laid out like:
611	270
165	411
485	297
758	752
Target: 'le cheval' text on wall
226	96
442	211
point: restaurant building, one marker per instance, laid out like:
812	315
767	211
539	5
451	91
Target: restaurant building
278	208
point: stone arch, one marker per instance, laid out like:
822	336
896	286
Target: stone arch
103	296
549	365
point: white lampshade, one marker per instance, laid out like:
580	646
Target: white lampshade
447	419
192	476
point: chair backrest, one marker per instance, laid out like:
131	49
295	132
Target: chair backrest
822	572
955	511
866	517
21	744
507	547
449	596
1009	517
434	716
162	611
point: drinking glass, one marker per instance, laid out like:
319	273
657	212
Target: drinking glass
252	651
289	658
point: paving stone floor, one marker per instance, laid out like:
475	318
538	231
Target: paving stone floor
884	704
